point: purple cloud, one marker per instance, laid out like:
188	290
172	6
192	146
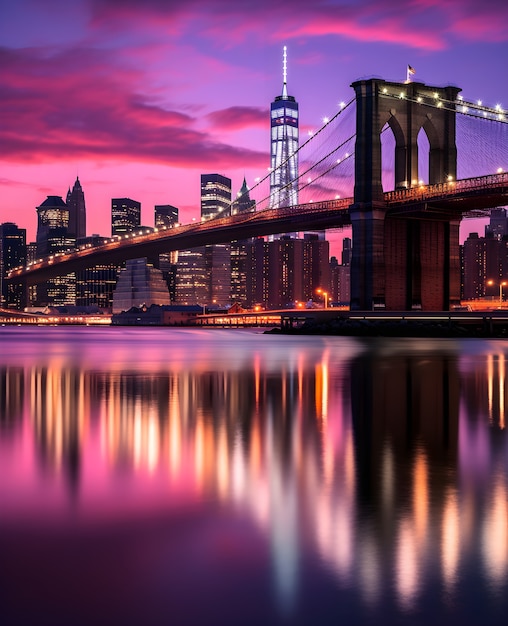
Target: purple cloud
68	105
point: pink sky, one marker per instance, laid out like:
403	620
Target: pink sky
139	97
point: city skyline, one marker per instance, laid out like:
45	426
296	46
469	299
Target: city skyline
140	99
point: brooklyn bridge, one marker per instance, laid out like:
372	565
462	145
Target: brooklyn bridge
405	240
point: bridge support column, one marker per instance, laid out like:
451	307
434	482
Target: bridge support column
368	261
422	264
403	264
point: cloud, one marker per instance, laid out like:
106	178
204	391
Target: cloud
420	24
60	105
239	118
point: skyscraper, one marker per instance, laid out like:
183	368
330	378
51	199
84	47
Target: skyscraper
215	196
125	215
287	270
242	202
239	255
53	236
284	146
498	223
216	203
12	254
77	211
165	215
96	283
52	226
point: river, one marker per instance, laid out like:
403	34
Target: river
204	476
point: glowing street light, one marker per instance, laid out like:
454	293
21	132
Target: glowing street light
502	283
324	294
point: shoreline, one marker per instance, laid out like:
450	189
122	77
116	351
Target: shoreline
395	328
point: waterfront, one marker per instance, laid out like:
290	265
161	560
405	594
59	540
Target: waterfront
193	476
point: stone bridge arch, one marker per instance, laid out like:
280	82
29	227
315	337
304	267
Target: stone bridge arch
403	263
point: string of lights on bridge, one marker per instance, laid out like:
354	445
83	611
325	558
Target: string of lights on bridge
464	107
474	109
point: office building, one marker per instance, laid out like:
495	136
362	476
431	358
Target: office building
287	271
498	224
340	283
484	260
95	284
216	203
165	215
347	251
284	146
139	284
241	204
125	216
53	236
191	283
12	254
484	265
215	196
77	211
52	226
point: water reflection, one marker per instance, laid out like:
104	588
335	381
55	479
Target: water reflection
387	467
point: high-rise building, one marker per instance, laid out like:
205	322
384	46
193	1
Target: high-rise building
498	223
242	204
284	147
484	265
139	283
286	271
77	211
165	215
52	225
191	283
125	215
215	196
95	284
216	203
347	251
12	254
340	282
53	236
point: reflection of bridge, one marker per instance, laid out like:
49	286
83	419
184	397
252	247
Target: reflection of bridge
405	242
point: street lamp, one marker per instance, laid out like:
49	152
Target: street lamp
325	296
502	283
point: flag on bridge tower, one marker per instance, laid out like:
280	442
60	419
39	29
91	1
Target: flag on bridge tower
410	72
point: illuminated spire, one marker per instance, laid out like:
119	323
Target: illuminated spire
284	73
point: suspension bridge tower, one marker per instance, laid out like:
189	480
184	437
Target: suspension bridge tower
400	262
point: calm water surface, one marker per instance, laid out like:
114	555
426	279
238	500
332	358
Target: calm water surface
179	476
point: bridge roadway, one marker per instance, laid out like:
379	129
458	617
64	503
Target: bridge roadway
453	198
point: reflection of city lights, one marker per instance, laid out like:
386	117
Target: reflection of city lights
490	383
420	495
406	565
501	391
277	443
495	535
450	539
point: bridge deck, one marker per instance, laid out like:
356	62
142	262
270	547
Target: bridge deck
452	198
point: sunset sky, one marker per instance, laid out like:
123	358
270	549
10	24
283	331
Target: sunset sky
139	97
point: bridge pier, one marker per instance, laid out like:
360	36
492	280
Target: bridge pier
403	261
403	264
